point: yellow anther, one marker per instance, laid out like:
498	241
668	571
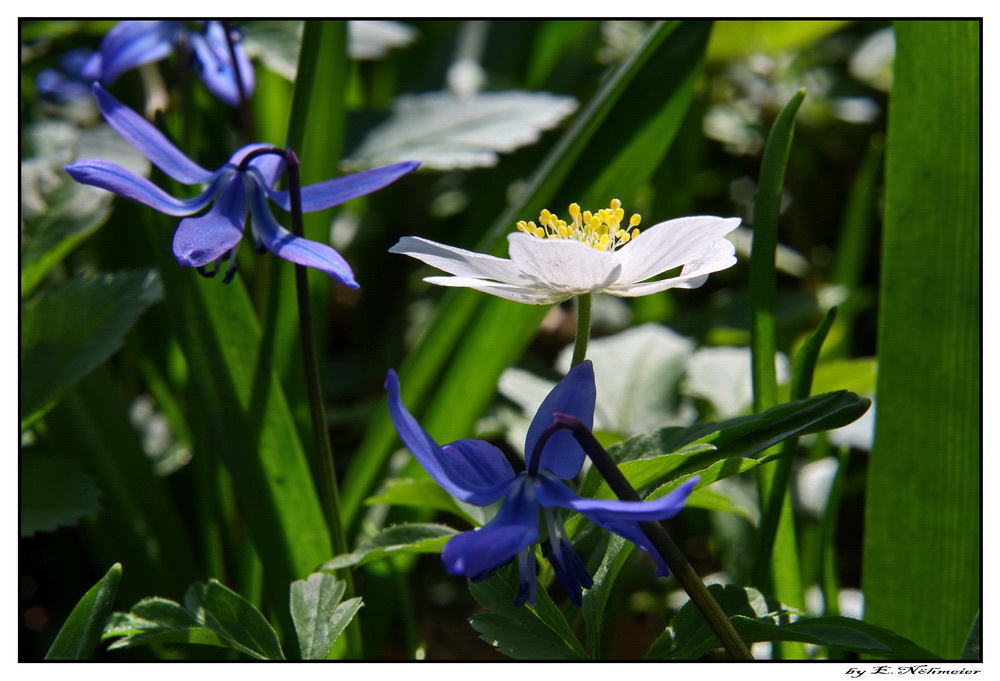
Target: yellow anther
601	230
634	220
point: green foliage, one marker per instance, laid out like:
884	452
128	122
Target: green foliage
523	633
320	616
927	453
176	439
80	634
212	615
58	492
74	328
397	541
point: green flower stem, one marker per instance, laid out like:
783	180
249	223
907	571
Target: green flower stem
802	374
246	114
329	493
583	305
679	566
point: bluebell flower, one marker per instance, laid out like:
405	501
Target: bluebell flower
66	83
230	191
131	44
478	473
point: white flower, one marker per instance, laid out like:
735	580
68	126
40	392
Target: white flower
595	253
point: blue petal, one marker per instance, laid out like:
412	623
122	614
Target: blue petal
479	462
267	167
114	178
474	482
574	395
569	569
342	189
201	240
150	141
620	517
134	43
513	529
215	65
295	249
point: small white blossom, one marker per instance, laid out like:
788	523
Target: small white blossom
595	253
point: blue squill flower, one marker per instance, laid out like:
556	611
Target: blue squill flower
478	473
131	44
230	191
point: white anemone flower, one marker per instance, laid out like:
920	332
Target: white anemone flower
595	253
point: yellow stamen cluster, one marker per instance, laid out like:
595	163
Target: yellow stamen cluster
601	230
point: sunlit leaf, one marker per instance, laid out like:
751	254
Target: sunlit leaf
79	635
319	615
445	131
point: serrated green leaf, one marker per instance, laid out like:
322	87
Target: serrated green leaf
319	615
522	632
73	328
691	635
55	492
79	636
158	620
395	541
234	619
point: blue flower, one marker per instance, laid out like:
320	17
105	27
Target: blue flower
66	83
478	473
230	190
133	43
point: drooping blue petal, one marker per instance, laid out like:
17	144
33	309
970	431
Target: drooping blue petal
569	569
298	250
215	66
513	529
114	178
575	395
201	240
472	482
342	189
527	584
134	43
620	517
151	142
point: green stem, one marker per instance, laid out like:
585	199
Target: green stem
675	559
802	373
324	452
583	305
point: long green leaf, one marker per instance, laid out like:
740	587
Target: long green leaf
923	495
249	420
79	636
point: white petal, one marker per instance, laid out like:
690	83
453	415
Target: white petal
672	243
459	261
718	257
520	294
563	265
